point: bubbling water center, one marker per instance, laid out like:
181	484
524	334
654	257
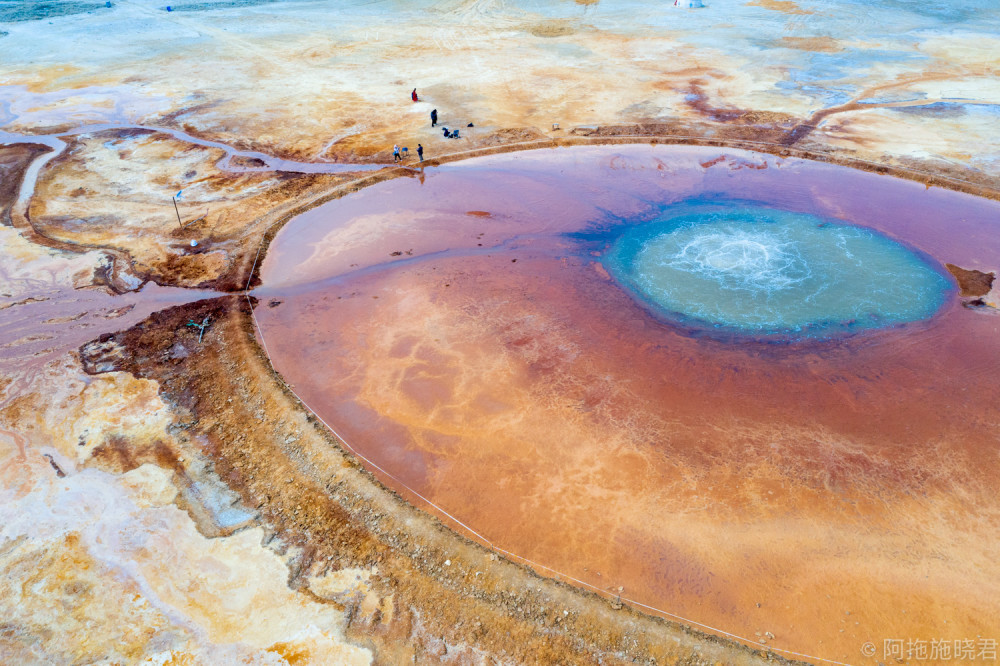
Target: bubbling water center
741	266
738	388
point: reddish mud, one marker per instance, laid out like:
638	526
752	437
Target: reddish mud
821	493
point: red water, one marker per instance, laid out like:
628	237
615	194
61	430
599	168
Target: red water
830	493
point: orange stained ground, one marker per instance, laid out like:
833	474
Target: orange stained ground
828	493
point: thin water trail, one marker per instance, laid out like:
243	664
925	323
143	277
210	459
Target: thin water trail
19	211
58	146
46	317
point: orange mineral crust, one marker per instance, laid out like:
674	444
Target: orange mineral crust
460	331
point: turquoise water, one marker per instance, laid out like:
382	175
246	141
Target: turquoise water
759	270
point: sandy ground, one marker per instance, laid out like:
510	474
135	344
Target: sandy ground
163	500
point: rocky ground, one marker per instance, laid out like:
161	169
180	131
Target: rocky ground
164	500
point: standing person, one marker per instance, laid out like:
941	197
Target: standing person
420	152
413	95
395	154
434	117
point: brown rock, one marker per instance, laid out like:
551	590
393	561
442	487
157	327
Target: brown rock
973	283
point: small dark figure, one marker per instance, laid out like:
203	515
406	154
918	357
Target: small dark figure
454	135
413	95
396	157
470	125
420	152
434	118
446	132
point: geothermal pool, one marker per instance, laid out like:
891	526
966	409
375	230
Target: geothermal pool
737	266
741	389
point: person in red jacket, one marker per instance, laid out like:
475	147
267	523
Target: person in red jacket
413	95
